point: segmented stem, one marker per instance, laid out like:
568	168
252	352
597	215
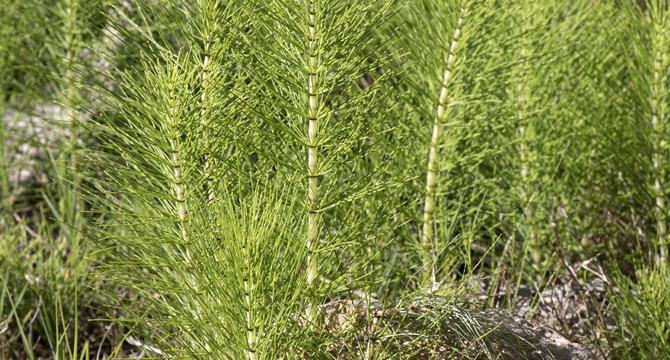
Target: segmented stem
657	123
176	166
248	292
69	59
431	177
72	115
524	155
204	112
183	213
312	162
70	19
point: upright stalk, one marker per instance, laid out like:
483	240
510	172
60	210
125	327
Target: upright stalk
176	166
524	147
208	165
69	60
657	106
312	161
248	293
70	55
4	181
524	156
431	177
205	102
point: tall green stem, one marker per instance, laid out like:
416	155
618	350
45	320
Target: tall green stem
70	54
69	60
176	167
657	106
248	293
524	147
524	155
208	165
312	160
205	102
431	177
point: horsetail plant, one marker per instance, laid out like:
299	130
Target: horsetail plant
64	63
156	176
431	177
247	252
313	55
222	281
542	121
540	128
251	277
72	45
440	99
657	23
646	39
166	106
163	106
660	23
523	128
252	162
209	276
207	18
176	81
65	26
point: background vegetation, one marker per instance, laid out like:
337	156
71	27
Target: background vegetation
196	179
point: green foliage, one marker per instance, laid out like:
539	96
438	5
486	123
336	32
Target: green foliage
644	305
448	94
223	168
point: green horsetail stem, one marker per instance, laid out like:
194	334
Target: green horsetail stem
208	165
204	112
431	177
524	155
312	163
70	54
70	16
251	330
658	90
71	45
176	166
